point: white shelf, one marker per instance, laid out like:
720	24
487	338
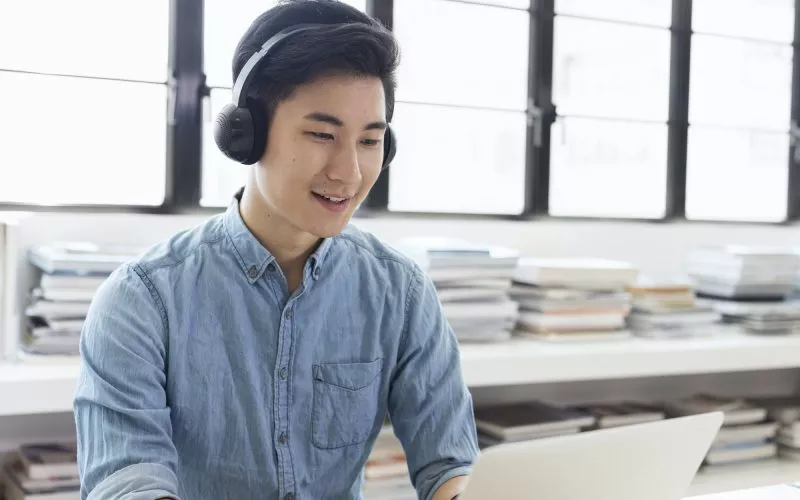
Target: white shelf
38	387
29	388
523	361
724	478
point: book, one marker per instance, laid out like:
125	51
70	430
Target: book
516	421
46	460
79	258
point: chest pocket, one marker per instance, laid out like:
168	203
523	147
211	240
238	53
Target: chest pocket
346	403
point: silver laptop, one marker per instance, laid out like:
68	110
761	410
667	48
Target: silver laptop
653	461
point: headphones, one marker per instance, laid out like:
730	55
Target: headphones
240	129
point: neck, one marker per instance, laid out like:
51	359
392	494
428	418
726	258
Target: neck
290	246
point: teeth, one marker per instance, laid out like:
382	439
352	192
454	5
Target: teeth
334	199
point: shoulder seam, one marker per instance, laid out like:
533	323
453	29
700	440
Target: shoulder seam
381	256
148	283
179	259
413	288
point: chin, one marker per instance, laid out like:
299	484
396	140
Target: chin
328	229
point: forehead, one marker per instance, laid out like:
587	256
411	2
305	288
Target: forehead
351	98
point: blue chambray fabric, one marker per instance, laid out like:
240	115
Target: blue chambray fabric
203	378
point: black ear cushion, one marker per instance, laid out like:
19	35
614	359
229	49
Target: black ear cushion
233	132
260	130
389	146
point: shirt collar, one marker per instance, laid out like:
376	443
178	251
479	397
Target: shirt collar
251	255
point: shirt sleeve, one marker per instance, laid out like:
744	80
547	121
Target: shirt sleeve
429	405
125	447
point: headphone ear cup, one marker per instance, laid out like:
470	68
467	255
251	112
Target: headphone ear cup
233	132
259	120
389	146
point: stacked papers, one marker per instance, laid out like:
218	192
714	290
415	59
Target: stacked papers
746	434
670	310
69	274
572	299
472	282
744	272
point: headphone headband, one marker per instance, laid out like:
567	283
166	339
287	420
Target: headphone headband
248	72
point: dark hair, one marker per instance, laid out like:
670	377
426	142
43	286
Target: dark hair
354	44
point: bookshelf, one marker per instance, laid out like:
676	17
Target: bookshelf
29	388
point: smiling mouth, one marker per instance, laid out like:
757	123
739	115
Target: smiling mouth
334	199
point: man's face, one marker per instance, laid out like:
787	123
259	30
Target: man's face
324	152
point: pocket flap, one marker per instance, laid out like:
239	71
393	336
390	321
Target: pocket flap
353	376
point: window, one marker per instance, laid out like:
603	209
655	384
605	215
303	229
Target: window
739	110
460	115
608	149
103	139
645	109
224	27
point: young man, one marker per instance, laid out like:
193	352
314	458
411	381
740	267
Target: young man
257	354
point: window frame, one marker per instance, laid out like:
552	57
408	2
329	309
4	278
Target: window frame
187	92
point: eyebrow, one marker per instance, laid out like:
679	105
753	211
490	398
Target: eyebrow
335	121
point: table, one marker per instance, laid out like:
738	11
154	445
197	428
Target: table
780	492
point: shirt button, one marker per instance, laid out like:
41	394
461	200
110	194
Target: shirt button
284	373
252	272
283	438
288	314
271	267
316	273
289	496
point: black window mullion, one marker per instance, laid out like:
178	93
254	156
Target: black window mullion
378	199
187	87
793	210
678	125
541	111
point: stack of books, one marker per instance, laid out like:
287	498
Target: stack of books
42	472
746	434
744	272
785	410
761	317
514	422
572	299
618	414
670	310
741	280
68	275
472	281
386	475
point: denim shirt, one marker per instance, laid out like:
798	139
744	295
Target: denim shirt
202	377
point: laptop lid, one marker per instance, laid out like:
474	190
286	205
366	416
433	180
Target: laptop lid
655	460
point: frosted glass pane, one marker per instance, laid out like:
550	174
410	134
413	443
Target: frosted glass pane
91	141
225	23
653	12
603	168
609	70
221	176
444	61
759	19
740	83
458	160
736	175
116	39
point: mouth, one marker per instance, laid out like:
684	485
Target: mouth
333	203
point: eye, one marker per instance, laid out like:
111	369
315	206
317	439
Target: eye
321	136
370	142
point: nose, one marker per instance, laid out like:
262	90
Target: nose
343	165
